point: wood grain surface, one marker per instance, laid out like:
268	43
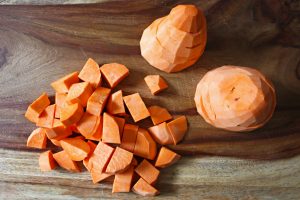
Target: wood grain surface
40	43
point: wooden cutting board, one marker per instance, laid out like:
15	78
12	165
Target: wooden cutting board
39	44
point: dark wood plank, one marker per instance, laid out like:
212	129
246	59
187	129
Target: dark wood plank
38	44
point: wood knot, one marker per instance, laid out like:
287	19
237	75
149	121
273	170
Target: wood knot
3	52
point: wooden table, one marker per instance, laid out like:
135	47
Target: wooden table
40	43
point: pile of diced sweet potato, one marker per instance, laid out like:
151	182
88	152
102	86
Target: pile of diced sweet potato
88	121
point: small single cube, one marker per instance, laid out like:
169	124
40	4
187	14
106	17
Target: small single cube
136	107
155	83
80	93
37	107
147	171
114	73
37	139
63	84
91	73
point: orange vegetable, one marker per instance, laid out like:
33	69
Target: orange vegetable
159	114
100	158
155	83
92	146
145	189
46	119
73	128
64	160
55	142
120	161
129	137
121	123
76	148
134	162
60	99
145	145
97	132
80	93
58	131
115	104
98	177
88	124
147	171
110	131
114	73
136	107
71	114
178	128
161	134
122	181
166	157
37	107
97	101
91	73
37	139
63	84
46	161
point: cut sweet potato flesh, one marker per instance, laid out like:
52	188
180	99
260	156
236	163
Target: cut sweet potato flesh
37	139
46	118
92	146
64	160
37	107
58	131
145	146
97	101
115	104
63	84
240	98
88	124
129	137
122	181
97	131
120	161
155	83
136	107
161	134
178	128
60	99
100	158
114	73
79	93
110	131
91	73
147	171
166	157
76	148
71	114
159	114
145	189
46	161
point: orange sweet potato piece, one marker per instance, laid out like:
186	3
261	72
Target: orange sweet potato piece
47	117
63	84
129	137
134	162
76	148
100	158
136	107
166	157
145	189
37	139
64	160
178	128
60	99
37	107
147	171
98	177
161	134
120	161
159	114
71	114
91	73
46	161
115	104
92	146
97	101
114	73
145	145
155	83
122	181
79	93
121	123
87	125
55	142
111	131
97	131
58	131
